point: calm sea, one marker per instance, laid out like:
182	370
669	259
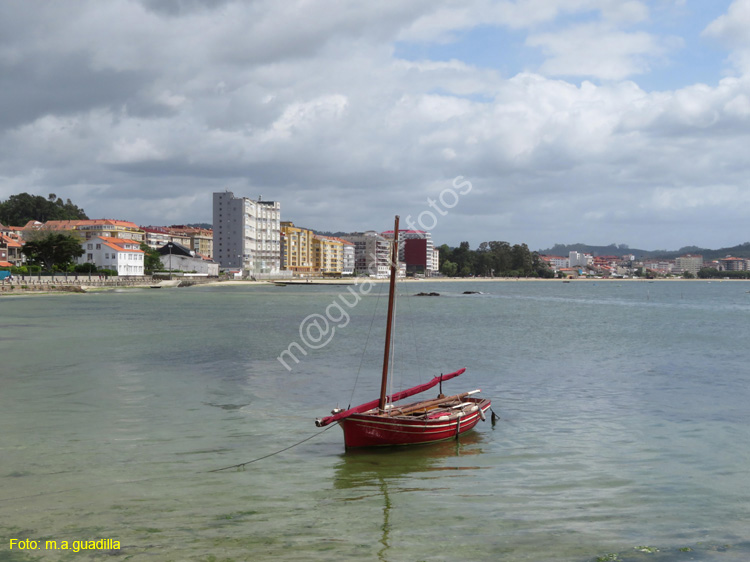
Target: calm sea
623	432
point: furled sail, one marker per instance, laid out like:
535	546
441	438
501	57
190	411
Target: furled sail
393	398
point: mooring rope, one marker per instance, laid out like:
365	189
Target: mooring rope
242	464
152	478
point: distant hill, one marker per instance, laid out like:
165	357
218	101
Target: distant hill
739	251
611	250
338	234
206	225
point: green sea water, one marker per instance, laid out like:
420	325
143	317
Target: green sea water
623	430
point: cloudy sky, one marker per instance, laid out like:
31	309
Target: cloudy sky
596	121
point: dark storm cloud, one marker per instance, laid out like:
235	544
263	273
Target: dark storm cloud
61	85
182	7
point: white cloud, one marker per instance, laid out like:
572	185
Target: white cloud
304	116
129	151
446	18
732	27
732	30
135	110
597	50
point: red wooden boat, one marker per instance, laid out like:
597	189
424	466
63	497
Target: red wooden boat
381	422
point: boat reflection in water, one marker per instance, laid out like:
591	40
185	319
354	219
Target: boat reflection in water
387	472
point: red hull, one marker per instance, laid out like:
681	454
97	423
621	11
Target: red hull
373	430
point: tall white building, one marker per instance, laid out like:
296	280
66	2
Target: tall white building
371	254
691	263
577	259
247	234
348	268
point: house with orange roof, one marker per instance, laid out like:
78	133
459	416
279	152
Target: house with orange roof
556	262
107	252
29	227
4	256
10	251
570	272
91	228
155	236
730	263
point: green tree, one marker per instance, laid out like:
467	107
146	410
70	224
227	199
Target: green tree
522	260
152	260
541	267
449	268
445	252
484	262
85	268
464	259
501	258
19	209
53	248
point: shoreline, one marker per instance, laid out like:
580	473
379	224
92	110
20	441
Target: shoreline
5	290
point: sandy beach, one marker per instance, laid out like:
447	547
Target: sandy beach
20	289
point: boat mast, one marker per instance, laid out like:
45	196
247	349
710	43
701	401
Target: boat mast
391	296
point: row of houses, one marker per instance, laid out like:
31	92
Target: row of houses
248	238
580	263
116	244
251	238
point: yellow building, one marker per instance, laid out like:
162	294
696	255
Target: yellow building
296	249
328	255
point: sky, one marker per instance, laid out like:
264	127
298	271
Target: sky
527	121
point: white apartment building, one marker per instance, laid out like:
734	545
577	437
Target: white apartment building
659	266
121	254
247	234
557	262
155	236
577	259
348	266
688	263
371	254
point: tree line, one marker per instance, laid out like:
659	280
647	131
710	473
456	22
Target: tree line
19	209
713	273
492	259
